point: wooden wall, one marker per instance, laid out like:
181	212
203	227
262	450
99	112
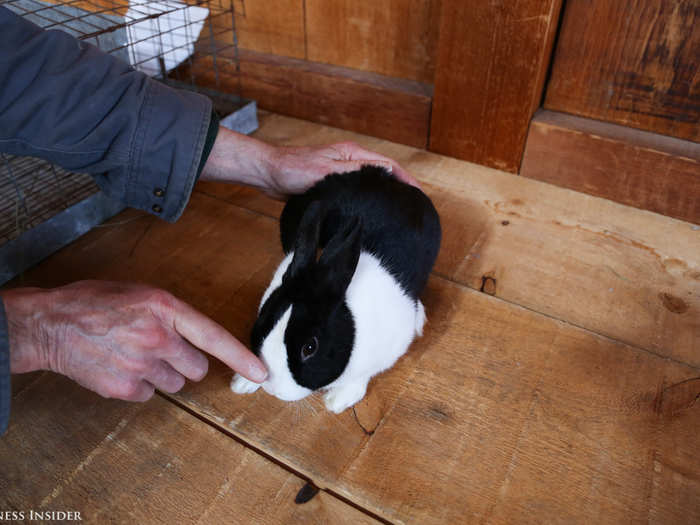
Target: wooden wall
362	65
481	67
396	38
622	107
633	63
491	70
618	82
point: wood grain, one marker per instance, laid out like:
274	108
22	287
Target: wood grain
638	168
397	38
591	262
499	413
631	63
397	110
109	7
491	66
266	26
121	462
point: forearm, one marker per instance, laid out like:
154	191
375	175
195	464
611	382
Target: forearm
240	159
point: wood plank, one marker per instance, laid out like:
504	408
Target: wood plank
631	63
123	462
269	26
21	381
393	109
491	66
108	7
539	421
630	275
638	168
497	413
397	38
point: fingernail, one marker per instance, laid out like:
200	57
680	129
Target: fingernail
258	373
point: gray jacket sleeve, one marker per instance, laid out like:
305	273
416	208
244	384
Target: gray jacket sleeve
71	104
5	392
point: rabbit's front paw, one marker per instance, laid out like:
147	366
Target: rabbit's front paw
241	385
338	399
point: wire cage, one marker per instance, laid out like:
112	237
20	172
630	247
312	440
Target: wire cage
189	44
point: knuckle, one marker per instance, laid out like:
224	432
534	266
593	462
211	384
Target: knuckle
120	389
135	366
136	390
160	300
131	389
155	337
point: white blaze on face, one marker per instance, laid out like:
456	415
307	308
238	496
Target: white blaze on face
280	382
273	351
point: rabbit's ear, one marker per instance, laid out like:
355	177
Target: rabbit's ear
339	259
306	243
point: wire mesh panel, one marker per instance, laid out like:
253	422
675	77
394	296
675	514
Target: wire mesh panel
162	39
169	40
33	191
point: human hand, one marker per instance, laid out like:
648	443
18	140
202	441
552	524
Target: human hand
295	169
121	340
280	171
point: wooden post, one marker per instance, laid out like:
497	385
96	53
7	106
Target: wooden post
492	63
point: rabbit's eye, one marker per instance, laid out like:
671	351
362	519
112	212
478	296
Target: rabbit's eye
309	348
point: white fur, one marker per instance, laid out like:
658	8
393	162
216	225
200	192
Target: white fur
241	385
386	322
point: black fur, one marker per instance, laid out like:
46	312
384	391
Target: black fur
399	222
367	210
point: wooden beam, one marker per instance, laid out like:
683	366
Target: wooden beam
634	167
630	63
491	66
369	103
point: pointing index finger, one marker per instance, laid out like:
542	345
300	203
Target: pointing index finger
212	338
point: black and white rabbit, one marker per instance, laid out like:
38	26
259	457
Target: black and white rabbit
334	321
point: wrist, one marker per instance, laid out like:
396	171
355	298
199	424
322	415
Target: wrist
240	159
27	331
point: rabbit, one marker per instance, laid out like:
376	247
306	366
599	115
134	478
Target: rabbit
334	321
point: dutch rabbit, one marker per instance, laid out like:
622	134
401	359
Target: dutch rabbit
334	321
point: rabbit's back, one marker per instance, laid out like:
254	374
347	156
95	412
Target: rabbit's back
400	225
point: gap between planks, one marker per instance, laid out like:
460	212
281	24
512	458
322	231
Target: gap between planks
493	297
277	461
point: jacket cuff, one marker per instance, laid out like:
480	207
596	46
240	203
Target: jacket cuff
167	150
5	390
212	133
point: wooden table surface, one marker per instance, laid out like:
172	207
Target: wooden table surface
556	381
